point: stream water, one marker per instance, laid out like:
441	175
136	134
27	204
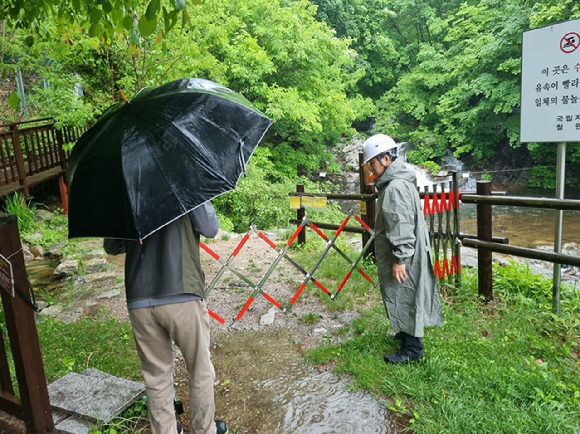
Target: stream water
527	227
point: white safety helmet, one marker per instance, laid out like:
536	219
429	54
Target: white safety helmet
376	145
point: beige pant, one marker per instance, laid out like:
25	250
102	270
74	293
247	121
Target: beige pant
187	324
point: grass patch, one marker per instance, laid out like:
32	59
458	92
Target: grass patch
23	209
104	344
509	366
309	318
332	270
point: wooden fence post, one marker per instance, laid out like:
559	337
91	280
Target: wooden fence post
369	216
33	405
19	159
300	213
484	233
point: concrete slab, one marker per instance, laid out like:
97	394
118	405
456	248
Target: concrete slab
93	395
73	425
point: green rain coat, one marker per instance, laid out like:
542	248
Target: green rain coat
401	236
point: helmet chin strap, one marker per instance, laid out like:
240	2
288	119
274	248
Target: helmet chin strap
392	157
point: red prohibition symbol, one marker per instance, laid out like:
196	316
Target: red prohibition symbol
570	42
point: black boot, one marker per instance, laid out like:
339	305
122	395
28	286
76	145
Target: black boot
411	350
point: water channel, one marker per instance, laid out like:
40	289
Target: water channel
274	391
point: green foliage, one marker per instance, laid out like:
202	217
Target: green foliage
54	231
14	101
444	75
286	63
554	11
545	157
276	54
225	223
46	233
431	166
507	367
261	198
464	93
23	210
106	20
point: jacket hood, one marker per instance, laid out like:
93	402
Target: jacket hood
397	170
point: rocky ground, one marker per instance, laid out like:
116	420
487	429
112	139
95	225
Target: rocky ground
96	285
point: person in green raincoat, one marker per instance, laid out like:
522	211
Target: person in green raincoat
408	283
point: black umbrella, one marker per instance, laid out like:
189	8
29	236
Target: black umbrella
149	161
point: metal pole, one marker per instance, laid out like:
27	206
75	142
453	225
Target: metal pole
21	93
560	184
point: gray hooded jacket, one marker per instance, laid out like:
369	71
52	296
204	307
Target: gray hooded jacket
401	236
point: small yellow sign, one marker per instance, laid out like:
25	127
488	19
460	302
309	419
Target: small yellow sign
307	201
294	202
363	207
319	202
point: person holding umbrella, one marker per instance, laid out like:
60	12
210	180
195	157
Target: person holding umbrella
142	178
165	287
408	284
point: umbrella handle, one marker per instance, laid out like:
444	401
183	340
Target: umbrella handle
123	97
118	89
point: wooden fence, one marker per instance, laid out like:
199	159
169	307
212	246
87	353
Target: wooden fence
32	152
487	244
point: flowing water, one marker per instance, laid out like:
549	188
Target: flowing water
265	387
40	275
527	227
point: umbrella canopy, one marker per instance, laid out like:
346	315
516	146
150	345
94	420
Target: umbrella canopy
151	160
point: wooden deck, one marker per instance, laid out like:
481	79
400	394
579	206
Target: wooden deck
32	181
31	153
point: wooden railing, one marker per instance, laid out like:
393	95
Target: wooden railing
32	152
29	401
486	244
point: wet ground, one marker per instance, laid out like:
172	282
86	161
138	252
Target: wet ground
264	387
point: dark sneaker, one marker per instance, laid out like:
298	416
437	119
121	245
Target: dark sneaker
179	429
403	356
221	427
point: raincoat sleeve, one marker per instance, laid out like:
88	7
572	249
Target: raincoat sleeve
204	220
398	209
114	246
